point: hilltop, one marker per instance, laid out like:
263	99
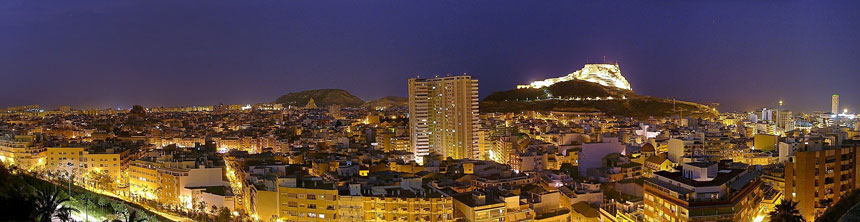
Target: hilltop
609	94
322	98
603	74
570	89
327	97
388	101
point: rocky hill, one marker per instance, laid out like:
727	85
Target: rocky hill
603	74
609	95
568	90
388	101
322	98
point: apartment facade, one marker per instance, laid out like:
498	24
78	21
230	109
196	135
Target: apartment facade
21	150
817	176
307	201
79	161
443	117
170	182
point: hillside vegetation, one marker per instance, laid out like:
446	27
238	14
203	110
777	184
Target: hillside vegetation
582	96
326	97
388	101
322	98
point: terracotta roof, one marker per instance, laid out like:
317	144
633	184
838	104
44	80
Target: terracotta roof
655	160
648	148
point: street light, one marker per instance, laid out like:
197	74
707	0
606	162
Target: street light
86	209
70	178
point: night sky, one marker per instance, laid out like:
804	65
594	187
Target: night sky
742	54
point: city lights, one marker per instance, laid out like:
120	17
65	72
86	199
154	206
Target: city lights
431	111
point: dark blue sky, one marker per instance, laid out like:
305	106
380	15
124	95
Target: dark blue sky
743	54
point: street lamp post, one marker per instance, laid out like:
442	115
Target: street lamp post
70	178
86	209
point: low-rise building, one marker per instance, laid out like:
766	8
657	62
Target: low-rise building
477	206
703	191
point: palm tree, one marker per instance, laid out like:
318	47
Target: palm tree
49	204
65	216
129	216
786	211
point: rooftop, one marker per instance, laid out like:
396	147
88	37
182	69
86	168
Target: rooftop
583	208
723	176
468	199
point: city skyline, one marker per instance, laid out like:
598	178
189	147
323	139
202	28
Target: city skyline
741	55
429	111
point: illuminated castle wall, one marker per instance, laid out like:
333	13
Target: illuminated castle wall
603	74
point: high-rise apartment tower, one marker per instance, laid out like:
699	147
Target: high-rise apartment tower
443	117
834	104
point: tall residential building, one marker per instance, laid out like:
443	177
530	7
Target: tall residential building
703	191
785	120
819	174
443	117
485	144
782	119
502	149
834	104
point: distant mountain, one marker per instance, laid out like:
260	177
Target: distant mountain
388	101
322	98
609	96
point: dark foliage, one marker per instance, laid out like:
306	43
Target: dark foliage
322	98
845	203
558	98
786	211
